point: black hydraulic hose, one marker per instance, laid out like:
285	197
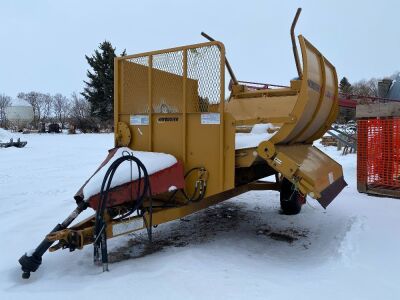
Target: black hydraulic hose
100	237
100	225
108	179
201	193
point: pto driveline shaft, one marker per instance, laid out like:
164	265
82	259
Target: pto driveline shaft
30	263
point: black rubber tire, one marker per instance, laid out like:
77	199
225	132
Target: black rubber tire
291	200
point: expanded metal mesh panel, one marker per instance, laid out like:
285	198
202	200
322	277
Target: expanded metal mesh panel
204	67
187	77
135	85
378	153
167	82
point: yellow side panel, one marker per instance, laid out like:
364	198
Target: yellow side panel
166	89
139	134
202	144
168	134
202	150
134	86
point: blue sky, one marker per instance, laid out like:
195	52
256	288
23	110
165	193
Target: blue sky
43	43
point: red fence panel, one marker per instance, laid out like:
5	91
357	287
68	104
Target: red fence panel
378	156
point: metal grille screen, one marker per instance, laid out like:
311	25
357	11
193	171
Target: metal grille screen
172	80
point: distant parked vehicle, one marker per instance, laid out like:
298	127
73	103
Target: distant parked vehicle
54	128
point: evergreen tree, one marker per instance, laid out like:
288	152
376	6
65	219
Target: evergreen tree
345	86
99	90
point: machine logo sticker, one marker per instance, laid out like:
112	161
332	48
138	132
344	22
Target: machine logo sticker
313	85
167	119
329	95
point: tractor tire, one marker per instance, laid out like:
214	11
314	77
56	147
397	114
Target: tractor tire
291	199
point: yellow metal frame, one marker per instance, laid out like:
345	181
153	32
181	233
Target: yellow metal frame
303	111
81	234
195	144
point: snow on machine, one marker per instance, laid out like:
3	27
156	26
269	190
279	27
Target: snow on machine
181	146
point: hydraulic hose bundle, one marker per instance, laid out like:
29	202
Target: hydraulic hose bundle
100	230
200	187
200	184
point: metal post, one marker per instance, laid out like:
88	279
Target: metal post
150	103
228	65
295	53
184	105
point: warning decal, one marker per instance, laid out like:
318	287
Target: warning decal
211	118
139	120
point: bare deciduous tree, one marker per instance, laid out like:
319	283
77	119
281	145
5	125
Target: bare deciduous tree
47	106
61	107
42	105
34	99
80	114
366	88
4	102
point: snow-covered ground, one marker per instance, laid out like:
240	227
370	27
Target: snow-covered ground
5	136
240	249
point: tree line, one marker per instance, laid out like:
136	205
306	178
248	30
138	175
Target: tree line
90	110
58	108
364	87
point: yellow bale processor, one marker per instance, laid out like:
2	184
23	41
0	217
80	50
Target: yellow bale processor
182	145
